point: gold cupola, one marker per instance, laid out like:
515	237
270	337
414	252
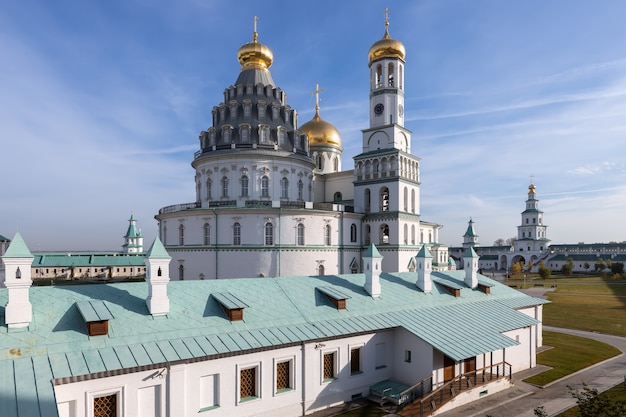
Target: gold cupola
387	47
320	132
255	55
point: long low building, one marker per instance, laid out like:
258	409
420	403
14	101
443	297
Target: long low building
285	346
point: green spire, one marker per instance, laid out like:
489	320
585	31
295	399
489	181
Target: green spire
18	248
157	250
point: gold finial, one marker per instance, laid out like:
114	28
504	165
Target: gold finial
317	99
255	35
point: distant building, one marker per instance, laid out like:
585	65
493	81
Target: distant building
533	246
285	346
89	265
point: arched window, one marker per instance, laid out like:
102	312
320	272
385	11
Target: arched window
406	199
336	164
300	234
244	186
224	187
284	188
384	199
244	132
327	236
390	74
207	234
265	186
412	201
353	232
400	76
384	234
181	272
366	198
320	162
367	236
226	134
337	197
379	75
406	234
181	235
237	234
300	190
209	191
269	234
354	268
413	235
320	270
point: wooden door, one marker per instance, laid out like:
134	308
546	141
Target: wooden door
469	365
448	369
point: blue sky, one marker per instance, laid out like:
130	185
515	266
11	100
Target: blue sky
101	104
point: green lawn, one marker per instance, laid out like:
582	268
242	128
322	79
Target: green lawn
615	394
568	355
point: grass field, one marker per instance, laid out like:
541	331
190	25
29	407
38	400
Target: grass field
568	355
587	303
617	393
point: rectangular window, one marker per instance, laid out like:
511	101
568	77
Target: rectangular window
407	356
105	406
248	384
355	361
283	376
209	392
329	366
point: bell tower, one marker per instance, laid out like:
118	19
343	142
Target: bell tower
386	174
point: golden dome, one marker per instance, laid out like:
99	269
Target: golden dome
255	55
320	132
387	47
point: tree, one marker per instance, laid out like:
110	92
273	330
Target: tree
516	269
568	267
540	412
590	404
499	242
617	267
600	265
510	241
544	271
586	266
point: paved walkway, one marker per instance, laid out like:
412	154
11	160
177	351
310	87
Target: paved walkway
523	398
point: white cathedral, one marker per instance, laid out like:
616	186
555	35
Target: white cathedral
271	198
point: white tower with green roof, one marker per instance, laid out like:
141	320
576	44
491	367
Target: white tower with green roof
18	261
133	240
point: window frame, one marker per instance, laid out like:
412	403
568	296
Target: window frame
358	348
335	365
291	384
236	234
118	392
257	382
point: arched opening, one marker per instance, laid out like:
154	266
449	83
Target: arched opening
384	234
337	197
384	199
390	75
367	200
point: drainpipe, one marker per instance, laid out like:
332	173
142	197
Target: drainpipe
216	242
341	246
302	386
280	230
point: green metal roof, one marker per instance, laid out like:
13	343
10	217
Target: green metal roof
86	259
93	310
157	250
17	248
279	311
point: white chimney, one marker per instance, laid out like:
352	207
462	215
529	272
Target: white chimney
424	266
372	260
470	264
157	263
18	262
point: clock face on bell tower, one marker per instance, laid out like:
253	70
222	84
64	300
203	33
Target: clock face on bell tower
379	108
